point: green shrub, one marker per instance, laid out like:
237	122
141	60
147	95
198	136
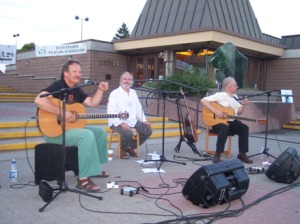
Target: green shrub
192	78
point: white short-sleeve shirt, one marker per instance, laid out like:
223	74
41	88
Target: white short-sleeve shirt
224	100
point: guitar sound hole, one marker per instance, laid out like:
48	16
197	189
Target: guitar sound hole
58	119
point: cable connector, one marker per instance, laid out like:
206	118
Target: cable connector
112	185
266	163
256	169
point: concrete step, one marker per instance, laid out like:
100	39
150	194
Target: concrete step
7	89
290	126
17	100
13	136
31	144
22	124
294	125
7	96
8	134
14	95
296	122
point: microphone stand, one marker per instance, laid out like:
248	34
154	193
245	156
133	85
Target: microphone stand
63	187
266	150
162	157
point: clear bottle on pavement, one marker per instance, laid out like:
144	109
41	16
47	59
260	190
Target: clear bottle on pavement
13	172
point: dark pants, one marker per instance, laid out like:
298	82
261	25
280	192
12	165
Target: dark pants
235	127
126	136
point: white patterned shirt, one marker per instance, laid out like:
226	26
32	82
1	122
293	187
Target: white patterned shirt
120	101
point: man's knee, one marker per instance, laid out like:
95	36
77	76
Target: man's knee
245	127
224	130
149	132
127	134
86	134
102	131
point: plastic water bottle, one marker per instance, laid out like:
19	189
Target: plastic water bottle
13	172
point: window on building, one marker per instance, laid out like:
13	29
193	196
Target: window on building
140	69
193	58
150	68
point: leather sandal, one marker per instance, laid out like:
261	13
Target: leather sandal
87	185
132	152
124	155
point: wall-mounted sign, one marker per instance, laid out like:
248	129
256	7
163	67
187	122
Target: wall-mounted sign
60	50
8	54
107	62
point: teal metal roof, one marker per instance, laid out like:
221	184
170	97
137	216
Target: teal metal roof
168	17
291	42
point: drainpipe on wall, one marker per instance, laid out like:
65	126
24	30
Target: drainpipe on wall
169	62
265	76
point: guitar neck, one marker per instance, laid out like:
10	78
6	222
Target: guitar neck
210	119
95	116
241	118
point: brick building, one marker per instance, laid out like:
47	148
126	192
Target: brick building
170	34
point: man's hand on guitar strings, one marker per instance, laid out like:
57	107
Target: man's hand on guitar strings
70	117
219	114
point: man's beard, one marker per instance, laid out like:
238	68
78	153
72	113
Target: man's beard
126	85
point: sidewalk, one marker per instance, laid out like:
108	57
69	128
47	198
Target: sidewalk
163	201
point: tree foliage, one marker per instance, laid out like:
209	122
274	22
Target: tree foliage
27	47
122	32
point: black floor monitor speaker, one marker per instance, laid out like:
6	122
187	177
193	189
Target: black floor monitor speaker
48	162
216	184
286	168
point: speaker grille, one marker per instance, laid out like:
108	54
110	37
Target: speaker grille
286	168
216	184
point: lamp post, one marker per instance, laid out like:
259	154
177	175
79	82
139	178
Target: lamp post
85	19
16	36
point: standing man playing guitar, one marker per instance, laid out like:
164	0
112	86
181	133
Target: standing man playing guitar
226	99
91	141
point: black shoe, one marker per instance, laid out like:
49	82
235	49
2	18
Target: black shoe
217	158
244	158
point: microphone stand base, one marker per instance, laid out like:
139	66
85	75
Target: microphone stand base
163	159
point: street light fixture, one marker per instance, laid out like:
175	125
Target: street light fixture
16	35
85	19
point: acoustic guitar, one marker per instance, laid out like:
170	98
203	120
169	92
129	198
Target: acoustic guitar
210	119
190	130
50	124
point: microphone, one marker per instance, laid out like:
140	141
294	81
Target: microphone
90	82
236	97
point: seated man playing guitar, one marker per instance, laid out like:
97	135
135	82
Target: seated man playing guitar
125	98
91	141
223	129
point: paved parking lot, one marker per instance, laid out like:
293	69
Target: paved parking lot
159	199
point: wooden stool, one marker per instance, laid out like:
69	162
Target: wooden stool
209	133
115	134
